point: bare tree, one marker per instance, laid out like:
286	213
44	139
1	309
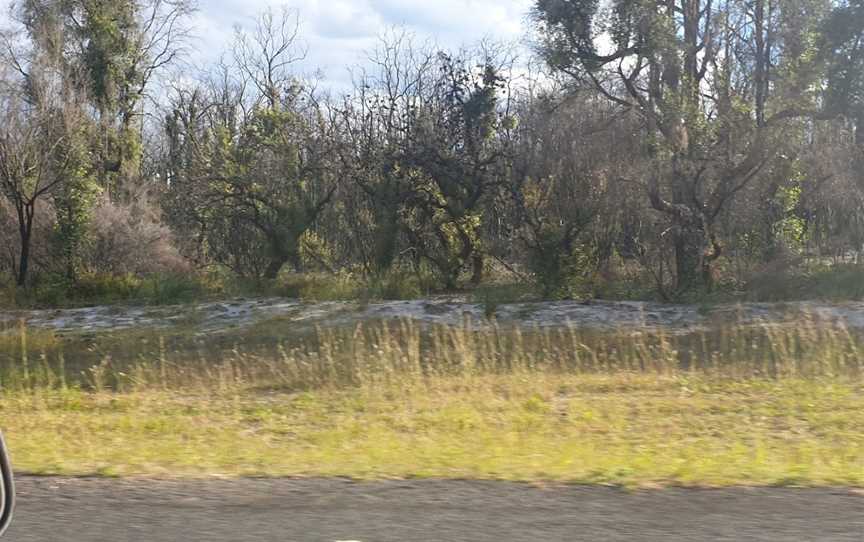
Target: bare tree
266	54
38	153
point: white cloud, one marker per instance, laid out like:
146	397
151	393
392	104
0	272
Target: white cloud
345	19
338	32
462	19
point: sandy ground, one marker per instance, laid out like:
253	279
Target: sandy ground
229	315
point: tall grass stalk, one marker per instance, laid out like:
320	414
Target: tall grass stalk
397	352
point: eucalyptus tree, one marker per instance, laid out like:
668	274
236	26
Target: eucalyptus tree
105	54
844	36
250	155
377	123
424	146
460	161
572	160
721	86
831	205
48	136
117	47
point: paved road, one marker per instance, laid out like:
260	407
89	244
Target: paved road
94	510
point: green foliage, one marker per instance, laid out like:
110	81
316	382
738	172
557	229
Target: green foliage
56	290
113	60
452	165
316	253
311	287
791	228
446	243
74	200
106	59
563	269
492	296
252	190
834	282
562	21
100	289
837	282
399	284
392	285
107	288
706	139
842	31
637	286
167	289
110	32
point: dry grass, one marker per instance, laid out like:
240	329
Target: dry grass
745	406
401	353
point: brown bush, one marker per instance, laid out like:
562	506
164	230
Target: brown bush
131	238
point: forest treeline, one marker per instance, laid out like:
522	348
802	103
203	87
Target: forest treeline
666	148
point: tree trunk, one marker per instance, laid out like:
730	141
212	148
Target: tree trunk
760	75
695	246
25	229
296	260
859	129
478	264
689	266
24	262
284	248
386	237
275	266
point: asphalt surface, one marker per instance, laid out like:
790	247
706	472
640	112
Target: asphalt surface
93	510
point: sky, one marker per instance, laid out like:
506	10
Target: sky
339	32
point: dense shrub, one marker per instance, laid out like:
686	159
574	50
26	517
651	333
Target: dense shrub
130	238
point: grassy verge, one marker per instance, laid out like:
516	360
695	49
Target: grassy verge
613	429
759	405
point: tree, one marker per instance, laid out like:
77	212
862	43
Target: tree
377	124
844	38
423	144
571	158
719	86
104	53
40	151
250	157
116	47
458	160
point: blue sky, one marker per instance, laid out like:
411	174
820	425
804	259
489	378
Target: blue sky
337	32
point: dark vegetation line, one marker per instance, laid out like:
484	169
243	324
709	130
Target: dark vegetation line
681	150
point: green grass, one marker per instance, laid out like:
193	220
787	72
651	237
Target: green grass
778	282
746	405
164	289
491	296
103	289
784	283
627	429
